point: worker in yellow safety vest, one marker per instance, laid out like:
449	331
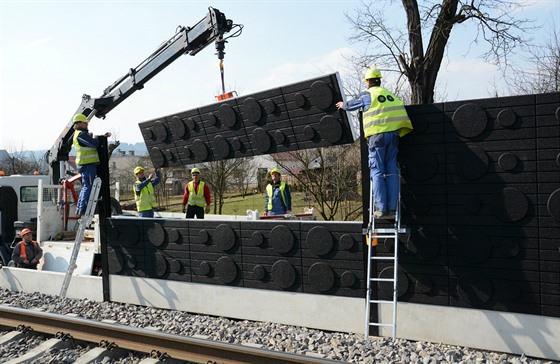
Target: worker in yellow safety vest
144	191
278	200
196	199
87	159
384	120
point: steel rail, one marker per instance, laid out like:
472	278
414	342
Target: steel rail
144	340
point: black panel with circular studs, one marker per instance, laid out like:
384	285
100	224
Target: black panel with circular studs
480	193
289	118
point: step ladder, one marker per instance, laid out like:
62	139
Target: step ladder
375	233
83	223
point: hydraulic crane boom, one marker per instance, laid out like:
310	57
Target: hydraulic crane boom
186	40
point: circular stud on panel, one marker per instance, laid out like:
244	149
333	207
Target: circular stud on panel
300	99
259	273
155	234
228	116
507	118
203	237
270	106
282	239
115	260
279	137
175	236
257	239
321	95
236	144
309	132
191	124
261	140
221	147
320	241
348	279
225	237
177	127
252	110
321	276
508	161
226	270
553	204
330	129
158	157
160	266
346	242
283	274
204	269
470	120
160	131
200	150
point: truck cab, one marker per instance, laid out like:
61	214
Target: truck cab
18	202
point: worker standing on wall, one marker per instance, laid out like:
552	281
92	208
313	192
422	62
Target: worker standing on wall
144	191
384	121
196	199
27	252
87	159
278	200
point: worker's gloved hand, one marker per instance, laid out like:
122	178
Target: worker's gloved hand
184	208
34	261
26	261
207	209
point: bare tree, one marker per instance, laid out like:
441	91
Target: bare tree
218	175
541	74
18	161
403	51
328	175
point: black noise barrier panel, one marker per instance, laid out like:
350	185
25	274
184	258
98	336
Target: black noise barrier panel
288	118
480	194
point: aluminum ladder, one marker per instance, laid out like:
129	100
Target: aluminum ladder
83	222
373	234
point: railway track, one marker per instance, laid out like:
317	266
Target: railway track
111	337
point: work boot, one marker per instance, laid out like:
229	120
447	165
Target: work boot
378	214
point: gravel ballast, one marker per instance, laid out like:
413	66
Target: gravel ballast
350	348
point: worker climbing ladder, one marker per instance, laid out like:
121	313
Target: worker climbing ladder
83	223
375	233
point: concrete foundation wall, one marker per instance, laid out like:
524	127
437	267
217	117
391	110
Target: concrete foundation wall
535	336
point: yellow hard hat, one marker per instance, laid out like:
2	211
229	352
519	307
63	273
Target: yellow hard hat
138	169
275	170
80	118
195	170
372	73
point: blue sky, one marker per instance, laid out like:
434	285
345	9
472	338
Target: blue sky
52	52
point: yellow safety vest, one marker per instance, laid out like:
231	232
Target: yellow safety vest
145	201
196	199
84	155
269	192
386	113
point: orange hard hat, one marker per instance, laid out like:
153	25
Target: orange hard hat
25	231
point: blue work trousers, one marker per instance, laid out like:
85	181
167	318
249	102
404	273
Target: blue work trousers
382	155
147	213
88	172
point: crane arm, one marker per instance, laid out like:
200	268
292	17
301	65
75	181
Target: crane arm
187	40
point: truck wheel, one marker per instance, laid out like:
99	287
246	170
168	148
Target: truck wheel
116	208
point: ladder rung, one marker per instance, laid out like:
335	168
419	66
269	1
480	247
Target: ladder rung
384	236
380	301
383	258
382	279
392	231
380	324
